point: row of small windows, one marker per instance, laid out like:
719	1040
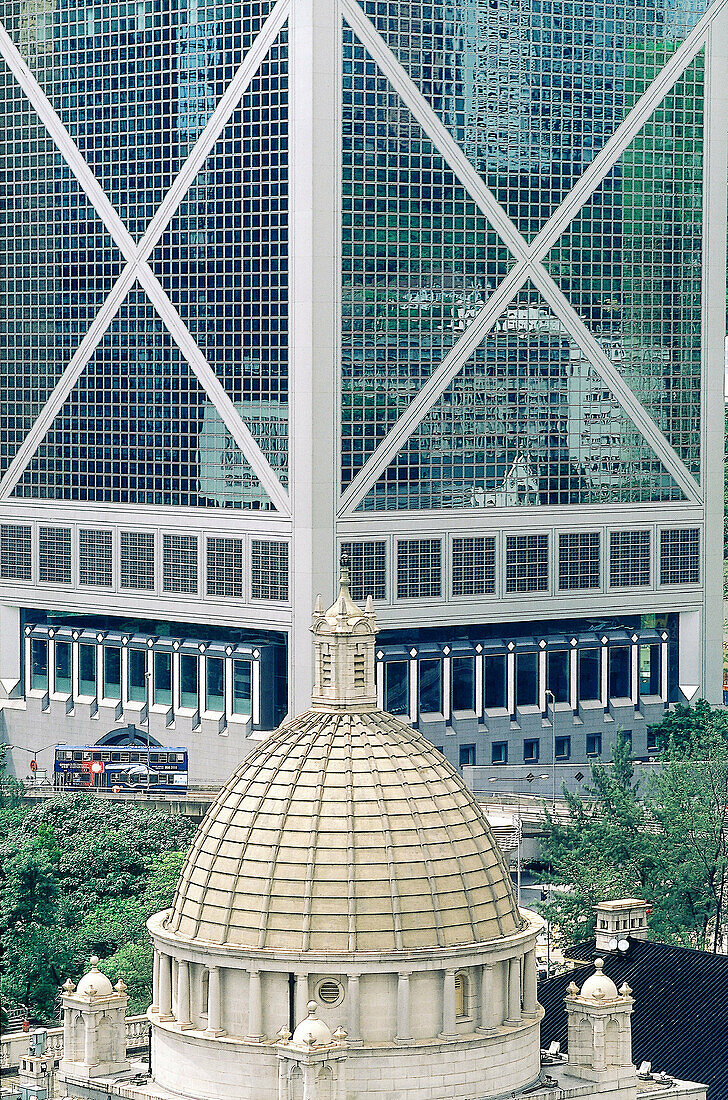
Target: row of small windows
137	563
473	568
500	751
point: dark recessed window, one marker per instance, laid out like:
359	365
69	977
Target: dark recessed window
499	752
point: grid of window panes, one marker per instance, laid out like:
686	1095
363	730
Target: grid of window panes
527	563
579	560
95	558
54	555
419	568
16	552
135	84
494	73
526	421
367	562
629	558
136	559
268	570
224	263
680	555
224	567
473	566
179	563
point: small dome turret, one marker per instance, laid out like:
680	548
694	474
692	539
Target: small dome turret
598	987
94	983
312	1032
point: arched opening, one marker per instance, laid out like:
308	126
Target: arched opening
462	995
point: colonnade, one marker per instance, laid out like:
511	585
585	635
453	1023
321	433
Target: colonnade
508	1005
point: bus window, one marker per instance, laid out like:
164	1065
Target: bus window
77	755
135	757
115	757
161	758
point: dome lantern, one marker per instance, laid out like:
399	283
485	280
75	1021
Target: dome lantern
344	637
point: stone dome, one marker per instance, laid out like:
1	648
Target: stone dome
598	987
345	831
94	984
312	1031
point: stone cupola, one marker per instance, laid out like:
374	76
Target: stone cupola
94	1036
600	1030
344	638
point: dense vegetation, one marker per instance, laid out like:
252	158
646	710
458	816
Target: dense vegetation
664	839
80	877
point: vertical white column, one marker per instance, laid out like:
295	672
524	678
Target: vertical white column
228	688
155	982
511	682
414	688
379	673
514	991
314	312
165	987
124	674
51	666
214	1001
715	131
404	1029
635	672
529	984
89	1049
605	676
255	1008
183	993
10	640
99	671
446	680
488	1008
175	681
255	692
69	1055
573	683
75	687
300	998
479	686
689	651
449	1030
542	681
663	671
352	995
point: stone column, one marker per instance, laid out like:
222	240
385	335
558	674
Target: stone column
255	1008
352	995
89	1053
514	991
183	993
69	1055
489	1020
300	999
448	1005
165	987
214	1004
529	984
155	983
404	1030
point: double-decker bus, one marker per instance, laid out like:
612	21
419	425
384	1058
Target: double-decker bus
120	768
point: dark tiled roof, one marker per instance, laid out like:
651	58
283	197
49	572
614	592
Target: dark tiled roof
680	1018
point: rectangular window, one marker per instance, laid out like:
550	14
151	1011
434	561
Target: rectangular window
651	739
215	686
38	664
589	664
87	670
466	756
499	752
557	674
419	564
269	570
188	681
531	750
562	746
242	687
463	683
629	559
527	563
619	672
494	681
95	558
136	560
225	567
179	563
112	672
16	552
594	744
579	560
396	687
473	566
527	679
163	679
137	675
680	556
367	569
430	687
650	669
54	555
62	670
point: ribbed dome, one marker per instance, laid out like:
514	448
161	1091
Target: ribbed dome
344	831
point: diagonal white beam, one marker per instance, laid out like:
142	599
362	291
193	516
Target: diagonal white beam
528	254
136	256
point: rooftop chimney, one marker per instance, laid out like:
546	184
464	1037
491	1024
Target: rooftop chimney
618	920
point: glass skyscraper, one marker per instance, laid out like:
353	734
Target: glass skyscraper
437	286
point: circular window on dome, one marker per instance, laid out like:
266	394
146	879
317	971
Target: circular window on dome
330	992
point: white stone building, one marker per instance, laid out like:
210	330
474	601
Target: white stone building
344	928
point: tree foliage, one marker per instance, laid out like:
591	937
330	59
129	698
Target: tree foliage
664	839
80	877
